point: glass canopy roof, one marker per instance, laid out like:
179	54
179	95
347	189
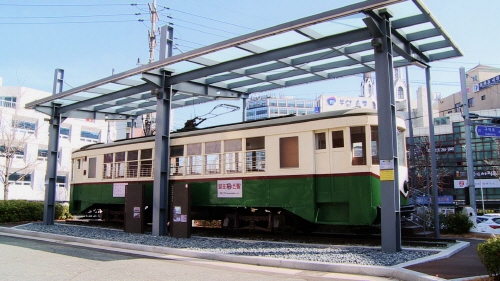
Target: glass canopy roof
329	45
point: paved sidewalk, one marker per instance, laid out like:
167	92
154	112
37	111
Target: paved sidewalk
459	262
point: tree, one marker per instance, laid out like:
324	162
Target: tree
16	132
422	164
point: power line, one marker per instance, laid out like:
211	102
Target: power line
75	16
171	23
69	22
170	17
209	18
68	5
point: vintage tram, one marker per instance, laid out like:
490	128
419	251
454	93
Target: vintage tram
290	171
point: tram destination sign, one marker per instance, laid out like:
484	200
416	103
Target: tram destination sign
488	131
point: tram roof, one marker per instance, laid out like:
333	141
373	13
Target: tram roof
274	121
328	45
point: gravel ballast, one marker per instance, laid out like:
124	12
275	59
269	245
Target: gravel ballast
330	254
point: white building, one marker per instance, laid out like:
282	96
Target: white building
27	130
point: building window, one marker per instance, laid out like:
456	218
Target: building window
64	133
255	154
20	179
300	104
282	103
273	103
283	111
358	147
470	102
24	126
291	103
292	111
89	136
401	94
289	152
320	140
309	104
483	97
18	153
8	102
61	181
42	154
337	139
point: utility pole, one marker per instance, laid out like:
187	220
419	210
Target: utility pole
468	142
152	32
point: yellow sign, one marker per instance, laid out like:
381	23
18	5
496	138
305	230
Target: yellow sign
386	175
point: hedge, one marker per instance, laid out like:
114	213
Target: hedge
22	210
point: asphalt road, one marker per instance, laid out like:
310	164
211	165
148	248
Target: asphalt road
27	259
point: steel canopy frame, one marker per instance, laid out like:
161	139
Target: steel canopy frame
303	51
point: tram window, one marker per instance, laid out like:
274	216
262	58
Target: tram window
132	163
401	148
146	168
233	158
212	157
177	160
232	145
375	156
107	166
358	148
255	143
194	159
289	152
92	167
337	139
320	140
119	165
255	154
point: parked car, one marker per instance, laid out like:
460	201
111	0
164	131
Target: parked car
492	215
487	224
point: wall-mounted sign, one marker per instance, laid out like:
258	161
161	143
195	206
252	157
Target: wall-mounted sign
487	83
479	183
119	189
229	189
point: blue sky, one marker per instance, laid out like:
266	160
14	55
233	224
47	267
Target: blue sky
88	39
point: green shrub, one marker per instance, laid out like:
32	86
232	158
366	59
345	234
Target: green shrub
457	223
489	254
21	210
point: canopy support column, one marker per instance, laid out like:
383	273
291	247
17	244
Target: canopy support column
51	174
161	159
387	131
